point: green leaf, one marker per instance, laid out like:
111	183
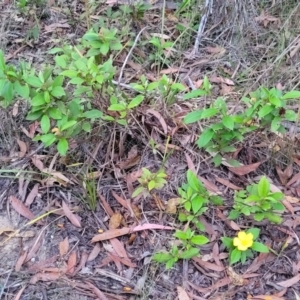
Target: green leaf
181	235
190	253
45	124
235	256
273	218
54	113
137	191
291	95
275	124
22	90
104	48
228	122
151	185
234	214
62	146
68	125
193	116
265	110
259	217
136	101
55	50
93	114
209	112
182	217
91	36
197	203
86	126
8	91
60	61
76	81
117	107
193	180
34	81
58	91
243	257
199	239
259	247
32	116
217	160
205	137
38	100
194	94
69	73
278	206
47	139
228	242
162	257
263	187
255	232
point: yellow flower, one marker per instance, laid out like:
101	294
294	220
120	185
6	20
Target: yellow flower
56	131
243	241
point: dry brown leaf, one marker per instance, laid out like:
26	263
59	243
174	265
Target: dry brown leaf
229	223
44	277
226	89
95	252
20	292
216	79
82	262
120	200
21	260
37	163
182	294
132	159
121	252
160	119
265	297
172	205
72	261
21	208
265	18
171	71
291	199
33	193
64	247
210	186
215	50
35	247
236	279
290	282
53	26
23	148
115	221
228	183
74	219
294	179
208	265
106	206
246	169
100	295
158	202
190	163
113	233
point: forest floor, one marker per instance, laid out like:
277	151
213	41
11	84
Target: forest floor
75	227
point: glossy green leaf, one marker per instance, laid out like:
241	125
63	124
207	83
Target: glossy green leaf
235	256
259	247
45	124
62	146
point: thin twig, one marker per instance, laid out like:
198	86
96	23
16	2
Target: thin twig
208	10
129	54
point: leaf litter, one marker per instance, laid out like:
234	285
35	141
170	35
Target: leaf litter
132	228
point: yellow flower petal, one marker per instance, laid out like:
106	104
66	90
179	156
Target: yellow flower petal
243	241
